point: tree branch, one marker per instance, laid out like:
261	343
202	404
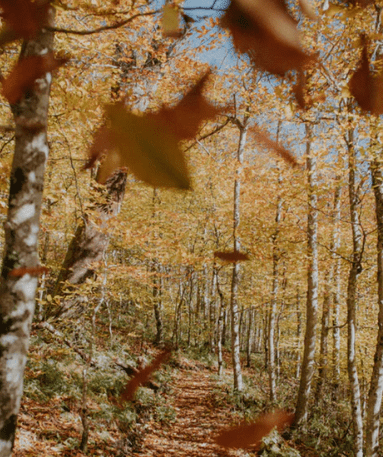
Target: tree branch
103	28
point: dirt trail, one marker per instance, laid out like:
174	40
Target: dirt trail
197	422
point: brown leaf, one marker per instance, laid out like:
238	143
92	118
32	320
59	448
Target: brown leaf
366	87
142	376
250	435
149	144
24	17
32	271
233	256
24	74
264	139
267	33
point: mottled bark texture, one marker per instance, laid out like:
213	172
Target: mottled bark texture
308	367
355	270
328	299
235	343
17	294
374	403
274	298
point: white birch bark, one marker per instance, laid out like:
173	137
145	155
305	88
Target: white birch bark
17	294
273	305
374	402
328	299
355	270
235	343
308	362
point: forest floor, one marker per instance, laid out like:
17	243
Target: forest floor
197	422
44	430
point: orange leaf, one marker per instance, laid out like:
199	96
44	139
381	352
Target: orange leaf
250	435
142	376
25	72
24	17
366	87
149	144
273	145
234	256
267	33
32	271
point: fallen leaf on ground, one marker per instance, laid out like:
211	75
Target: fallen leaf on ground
142	376
25	73
233	256
250	435
267	33
148	145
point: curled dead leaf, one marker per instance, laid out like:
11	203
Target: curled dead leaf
233	256
250	435
25	73
142	376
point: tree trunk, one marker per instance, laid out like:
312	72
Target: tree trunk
249	337
328	295
17	293
307	370
89	242
220	328
355	270
235	343
274	297
374	402
299	336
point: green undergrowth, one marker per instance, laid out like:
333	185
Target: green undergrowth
54	379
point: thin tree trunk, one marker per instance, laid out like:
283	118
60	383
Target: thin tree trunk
312	288
328	295
355	270
336	300
274	297
220	328
249	337
235	343
18	293
299	336
374	402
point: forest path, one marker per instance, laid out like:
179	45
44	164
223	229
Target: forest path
197	423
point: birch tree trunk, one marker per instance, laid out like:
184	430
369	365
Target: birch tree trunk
328	295
273	305
336	300
17	294
235	343
374	402
307	370
355	270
